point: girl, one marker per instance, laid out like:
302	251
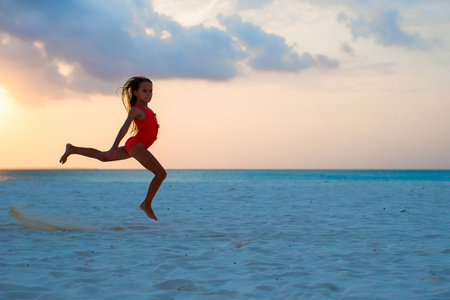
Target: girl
136	94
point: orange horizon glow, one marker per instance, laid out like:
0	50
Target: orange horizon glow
311	93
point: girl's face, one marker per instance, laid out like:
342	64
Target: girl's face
145	92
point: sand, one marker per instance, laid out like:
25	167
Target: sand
314	239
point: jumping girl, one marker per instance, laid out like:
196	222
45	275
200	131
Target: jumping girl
136	94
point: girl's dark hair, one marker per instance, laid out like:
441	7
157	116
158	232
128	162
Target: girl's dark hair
128	97
132	84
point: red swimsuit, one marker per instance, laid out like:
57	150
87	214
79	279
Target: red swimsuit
147	130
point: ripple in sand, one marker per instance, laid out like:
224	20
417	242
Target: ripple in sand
31	221
242	244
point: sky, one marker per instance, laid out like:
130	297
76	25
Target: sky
238	84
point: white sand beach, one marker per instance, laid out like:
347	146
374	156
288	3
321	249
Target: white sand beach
248	238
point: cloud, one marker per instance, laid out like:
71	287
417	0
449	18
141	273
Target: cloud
80	45
30	75
251	4
108	44
92	46
346	48
325	61
386	30
268	51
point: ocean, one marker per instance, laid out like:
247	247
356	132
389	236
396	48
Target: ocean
226	234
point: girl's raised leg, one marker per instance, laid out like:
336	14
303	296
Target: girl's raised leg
146	159
92	153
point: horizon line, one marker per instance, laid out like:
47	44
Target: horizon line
230	169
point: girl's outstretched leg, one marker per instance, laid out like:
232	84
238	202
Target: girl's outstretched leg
92	153
143	156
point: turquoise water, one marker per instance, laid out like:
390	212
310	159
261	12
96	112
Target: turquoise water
227	175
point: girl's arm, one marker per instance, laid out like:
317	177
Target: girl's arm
111	154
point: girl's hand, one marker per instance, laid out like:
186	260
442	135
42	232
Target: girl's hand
112	153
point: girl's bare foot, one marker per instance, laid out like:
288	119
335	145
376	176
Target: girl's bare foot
149	211
66	154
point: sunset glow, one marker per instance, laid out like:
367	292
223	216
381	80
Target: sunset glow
237	84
